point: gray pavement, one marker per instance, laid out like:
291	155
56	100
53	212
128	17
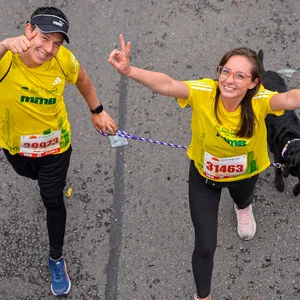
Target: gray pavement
129	234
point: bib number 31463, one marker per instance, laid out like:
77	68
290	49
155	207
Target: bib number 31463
217	168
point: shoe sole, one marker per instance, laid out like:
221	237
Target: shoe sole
65	293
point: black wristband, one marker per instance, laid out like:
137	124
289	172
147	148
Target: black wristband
97	110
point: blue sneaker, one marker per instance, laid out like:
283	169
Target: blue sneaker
61	283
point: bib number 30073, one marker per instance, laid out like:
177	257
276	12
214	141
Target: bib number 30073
40	145
216	168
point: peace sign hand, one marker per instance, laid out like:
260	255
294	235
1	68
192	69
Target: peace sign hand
121	59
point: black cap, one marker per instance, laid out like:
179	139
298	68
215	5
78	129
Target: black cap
51	23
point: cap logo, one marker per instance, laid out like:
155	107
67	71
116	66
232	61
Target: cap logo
58	23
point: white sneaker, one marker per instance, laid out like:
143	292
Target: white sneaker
246	225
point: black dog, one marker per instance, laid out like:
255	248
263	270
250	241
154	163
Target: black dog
283	133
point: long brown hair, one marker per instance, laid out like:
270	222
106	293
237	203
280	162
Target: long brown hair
246	126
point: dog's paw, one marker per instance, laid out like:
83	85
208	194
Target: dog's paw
279	185
278	181
285	172
296	190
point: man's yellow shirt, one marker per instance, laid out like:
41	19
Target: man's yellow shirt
32	112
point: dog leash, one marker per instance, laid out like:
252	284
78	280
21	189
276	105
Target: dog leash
277	165
286	146
126	135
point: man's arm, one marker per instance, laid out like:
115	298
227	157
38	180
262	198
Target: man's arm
102	121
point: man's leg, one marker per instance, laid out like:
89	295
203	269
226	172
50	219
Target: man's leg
52	181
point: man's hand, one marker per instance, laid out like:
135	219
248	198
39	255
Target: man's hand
104	122
19	44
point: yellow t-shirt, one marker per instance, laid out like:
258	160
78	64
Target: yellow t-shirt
33	116
217	152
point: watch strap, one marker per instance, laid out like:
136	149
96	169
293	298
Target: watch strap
97	110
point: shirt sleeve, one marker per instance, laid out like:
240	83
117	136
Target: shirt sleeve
263	97
200	90
5	64
185	102
69	64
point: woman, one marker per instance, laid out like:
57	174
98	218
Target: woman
228	148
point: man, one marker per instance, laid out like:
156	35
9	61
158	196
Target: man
34	129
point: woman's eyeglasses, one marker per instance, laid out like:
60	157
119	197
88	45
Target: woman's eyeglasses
237	76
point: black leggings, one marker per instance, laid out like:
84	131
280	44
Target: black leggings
51	172
204	198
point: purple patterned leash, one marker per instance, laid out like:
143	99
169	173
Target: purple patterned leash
126	135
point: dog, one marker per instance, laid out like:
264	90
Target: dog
283	133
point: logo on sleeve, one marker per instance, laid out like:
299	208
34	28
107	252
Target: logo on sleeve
56	81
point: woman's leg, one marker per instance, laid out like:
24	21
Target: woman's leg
204	204
242	193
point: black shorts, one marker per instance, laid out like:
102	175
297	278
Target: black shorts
50	171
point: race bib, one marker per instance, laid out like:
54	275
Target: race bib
37	145
217	168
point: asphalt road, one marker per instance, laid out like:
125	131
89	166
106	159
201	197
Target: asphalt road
129	234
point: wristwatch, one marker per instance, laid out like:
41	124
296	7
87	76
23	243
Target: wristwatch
97	110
